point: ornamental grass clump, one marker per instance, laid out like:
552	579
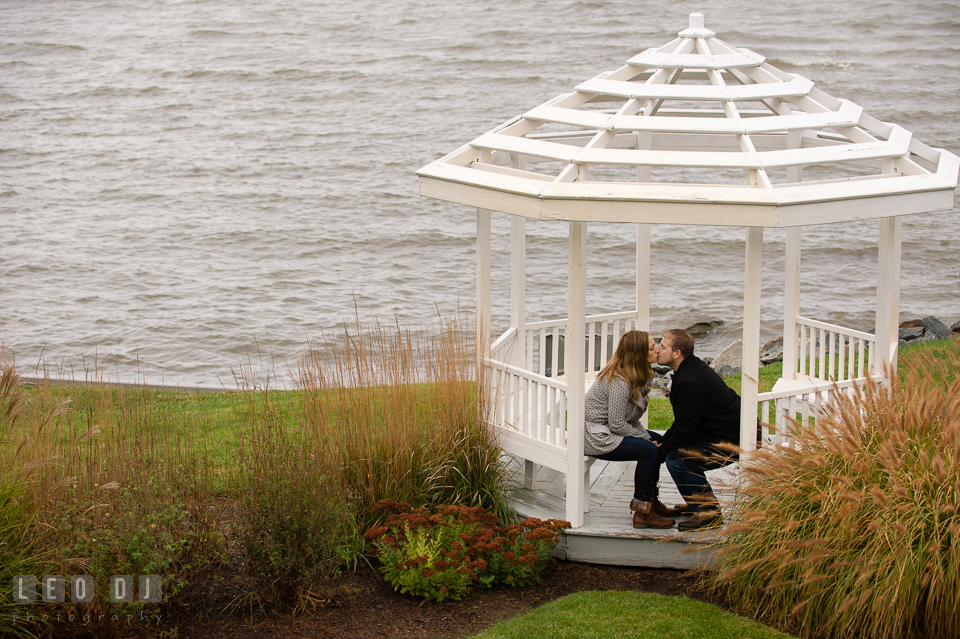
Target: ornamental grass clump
19	554
406	416
853	528
443	553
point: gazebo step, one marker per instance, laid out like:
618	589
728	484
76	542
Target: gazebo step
682	551
608	536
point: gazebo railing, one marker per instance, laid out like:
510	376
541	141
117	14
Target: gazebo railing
530	414
543	342
779	410
833	353
500	349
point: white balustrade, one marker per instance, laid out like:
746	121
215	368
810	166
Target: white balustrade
799	404
530	401
529	415
543	342
833	353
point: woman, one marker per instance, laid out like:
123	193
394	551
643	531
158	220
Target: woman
613	408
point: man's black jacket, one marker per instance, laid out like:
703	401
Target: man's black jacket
705	410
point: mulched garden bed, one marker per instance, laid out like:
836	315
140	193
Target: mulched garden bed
362	605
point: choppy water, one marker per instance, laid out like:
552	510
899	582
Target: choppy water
181	182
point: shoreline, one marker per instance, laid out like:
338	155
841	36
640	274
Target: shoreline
39	381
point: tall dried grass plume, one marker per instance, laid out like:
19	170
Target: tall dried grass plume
852	529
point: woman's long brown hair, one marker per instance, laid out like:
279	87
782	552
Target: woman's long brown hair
629	362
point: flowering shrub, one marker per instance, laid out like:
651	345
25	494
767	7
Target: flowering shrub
442	553
297	524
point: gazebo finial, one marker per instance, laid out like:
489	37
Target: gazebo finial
696	28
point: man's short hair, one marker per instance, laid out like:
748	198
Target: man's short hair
682	341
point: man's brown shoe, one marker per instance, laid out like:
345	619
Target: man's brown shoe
709	519
665	511
644	517
660	508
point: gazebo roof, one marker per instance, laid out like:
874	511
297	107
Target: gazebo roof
697	132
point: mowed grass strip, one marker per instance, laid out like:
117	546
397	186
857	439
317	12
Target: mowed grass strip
629	615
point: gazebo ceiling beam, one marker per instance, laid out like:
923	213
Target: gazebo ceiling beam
756	177
848	115
708	60
897	146
798	87
574	171
914	165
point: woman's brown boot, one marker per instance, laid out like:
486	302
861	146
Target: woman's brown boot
644	517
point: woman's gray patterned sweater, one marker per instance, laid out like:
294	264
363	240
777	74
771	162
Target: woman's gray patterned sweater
611	414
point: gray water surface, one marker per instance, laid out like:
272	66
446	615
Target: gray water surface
184	183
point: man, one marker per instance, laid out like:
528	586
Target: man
706	412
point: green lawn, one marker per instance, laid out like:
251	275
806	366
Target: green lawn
661	415
629	615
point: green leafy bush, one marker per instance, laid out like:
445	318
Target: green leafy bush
137	530
853	529
442	553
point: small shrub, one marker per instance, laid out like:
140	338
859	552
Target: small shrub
297	523
128	531
442	553
853	530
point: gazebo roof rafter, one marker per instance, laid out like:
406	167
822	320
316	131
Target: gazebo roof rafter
699	121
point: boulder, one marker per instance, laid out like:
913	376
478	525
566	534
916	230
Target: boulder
772	351
727	371
667	383
661	370
938	329
696	322
909	335
731	356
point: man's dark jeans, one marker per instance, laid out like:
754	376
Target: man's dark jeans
689	475
644	452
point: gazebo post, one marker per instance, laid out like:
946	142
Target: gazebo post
518	316
791	303
576	319
750	365
791	284
643	277
888	294
643	288
518	278
518	288
644	141
483	282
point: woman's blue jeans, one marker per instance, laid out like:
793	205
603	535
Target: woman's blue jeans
647	472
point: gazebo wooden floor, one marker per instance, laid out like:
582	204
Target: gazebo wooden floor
608	536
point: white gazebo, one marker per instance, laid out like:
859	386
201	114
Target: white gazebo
694	132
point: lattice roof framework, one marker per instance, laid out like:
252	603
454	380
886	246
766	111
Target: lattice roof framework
697	132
